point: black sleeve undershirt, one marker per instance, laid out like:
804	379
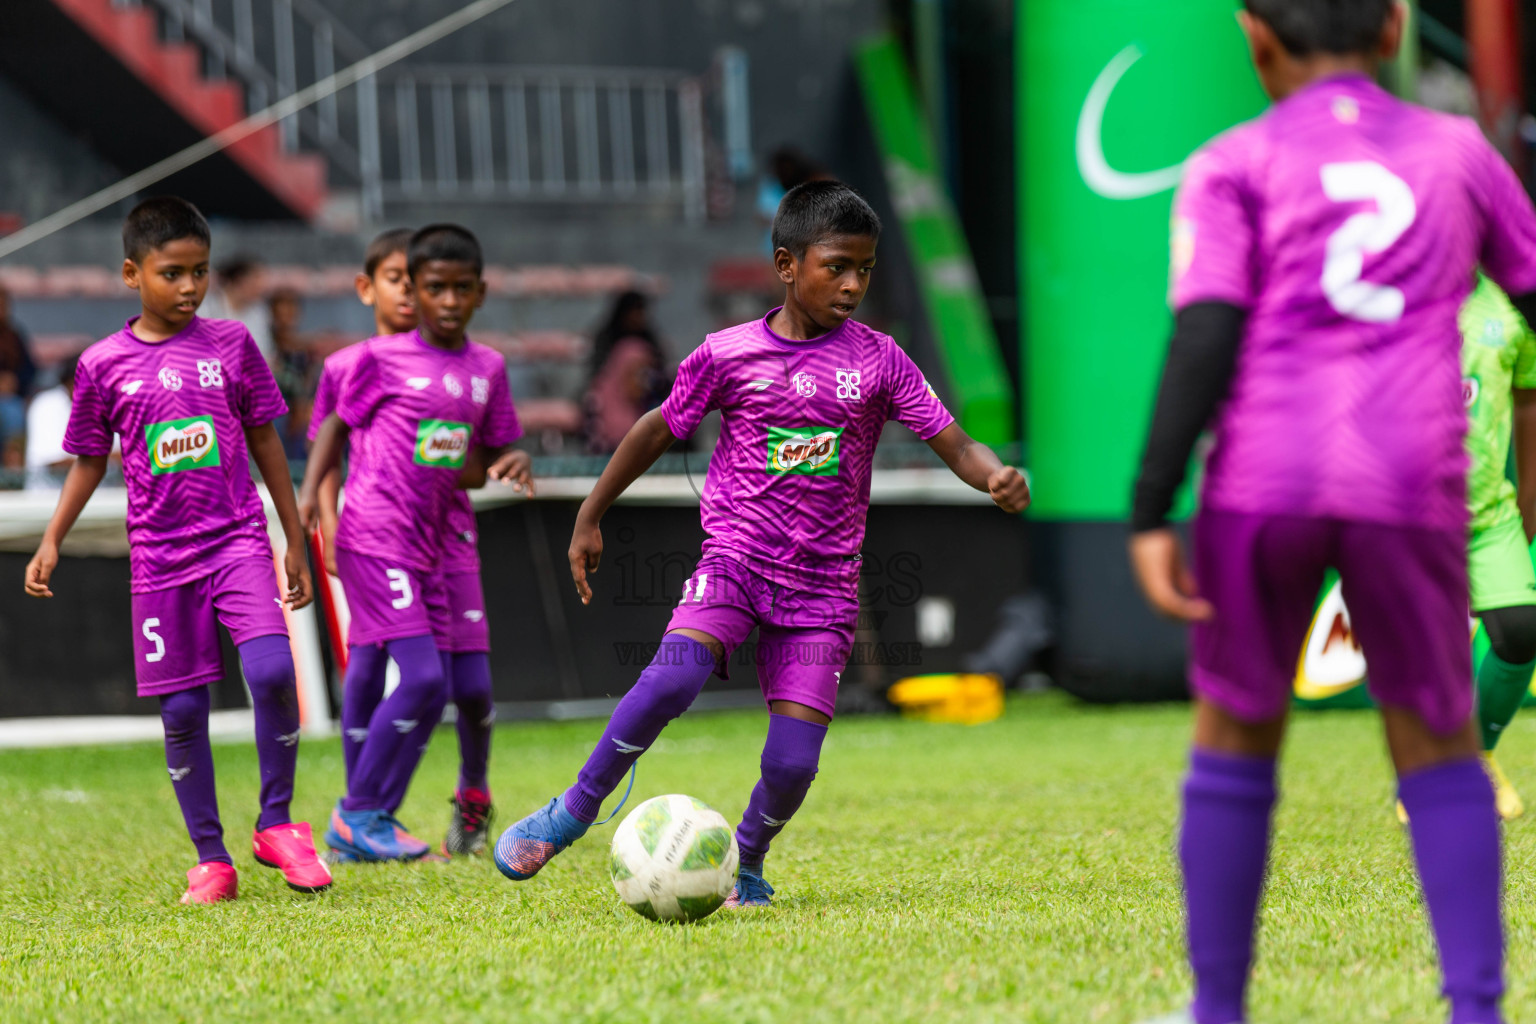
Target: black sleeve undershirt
1201	360
1526	304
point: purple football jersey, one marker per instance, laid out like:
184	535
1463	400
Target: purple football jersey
1348	224
181	407
419	409
788	485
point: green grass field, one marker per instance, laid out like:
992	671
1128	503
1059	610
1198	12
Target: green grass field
1017	871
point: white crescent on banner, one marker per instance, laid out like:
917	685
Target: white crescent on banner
1091	162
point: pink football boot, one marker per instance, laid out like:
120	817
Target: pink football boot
211	882
292	849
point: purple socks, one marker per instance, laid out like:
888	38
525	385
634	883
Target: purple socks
664	690
790	756
360	696
1224	847
189	759
471	686
1455	832
399	726
268	665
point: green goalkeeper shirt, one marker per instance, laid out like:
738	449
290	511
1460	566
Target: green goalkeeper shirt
1498	354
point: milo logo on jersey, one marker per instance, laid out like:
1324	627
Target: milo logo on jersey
812	451
176	445
442	443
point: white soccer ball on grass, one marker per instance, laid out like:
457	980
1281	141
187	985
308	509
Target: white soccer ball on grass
674	859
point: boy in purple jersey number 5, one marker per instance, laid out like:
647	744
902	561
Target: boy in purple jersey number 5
803	395
1321	256
190	398
422	401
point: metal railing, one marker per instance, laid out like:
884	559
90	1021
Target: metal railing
528	134
457	133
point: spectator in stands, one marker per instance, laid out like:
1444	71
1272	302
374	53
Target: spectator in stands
239	293
47	416
627	376
787	167
16	373
294	367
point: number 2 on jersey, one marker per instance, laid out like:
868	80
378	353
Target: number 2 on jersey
1369	232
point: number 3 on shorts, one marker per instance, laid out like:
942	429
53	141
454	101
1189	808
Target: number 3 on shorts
148	629
1367	232
400	583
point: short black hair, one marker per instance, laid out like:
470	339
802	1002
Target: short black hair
448	242
160	221
1305	27
815	211
384	246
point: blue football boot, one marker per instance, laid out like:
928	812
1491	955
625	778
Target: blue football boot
529	844
751	890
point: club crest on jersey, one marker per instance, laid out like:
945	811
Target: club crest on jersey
170	379
176	445
811	451
805	384
480	390
1471	387
442	443
451	383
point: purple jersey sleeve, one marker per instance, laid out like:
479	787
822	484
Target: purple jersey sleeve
357	402
88	433
1509	224
913	401
499	426
693	393
258	400
1213	235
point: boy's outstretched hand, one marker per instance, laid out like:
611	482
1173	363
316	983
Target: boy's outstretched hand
1157	559
40	570
301	590
585	554
516	468
1009	489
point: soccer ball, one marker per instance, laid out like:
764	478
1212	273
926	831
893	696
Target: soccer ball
674	859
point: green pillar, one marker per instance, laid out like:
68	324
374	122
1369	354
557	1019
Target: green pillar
1113	96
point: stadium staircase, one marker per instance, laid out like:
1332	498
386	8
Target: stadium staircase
106	70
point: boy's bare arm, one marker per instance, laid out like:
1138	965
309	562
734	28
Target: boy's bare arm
267	452
980	467
324	457
329	497
1525	459
84	476
638	452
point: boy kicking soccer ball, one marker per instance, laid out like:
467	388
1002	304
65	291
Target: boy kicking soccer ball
193	402
1321	255
421	401
385	286
803	395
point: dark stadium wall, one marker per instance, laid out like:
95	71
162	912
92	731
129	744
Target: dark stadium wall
42	165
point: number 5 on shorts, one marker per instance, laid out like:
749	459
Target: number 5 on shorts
148	629
400	583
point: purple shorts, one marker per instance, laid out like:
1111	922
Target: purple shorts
389	601
1406	588
468	632
803	638
176	630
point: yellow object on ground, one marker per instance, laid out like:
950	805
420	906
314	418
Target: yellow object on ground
1505	797
964	698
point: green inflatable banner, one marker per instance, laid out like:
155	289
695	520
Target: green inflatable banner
1331	672
1113	96
951	293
